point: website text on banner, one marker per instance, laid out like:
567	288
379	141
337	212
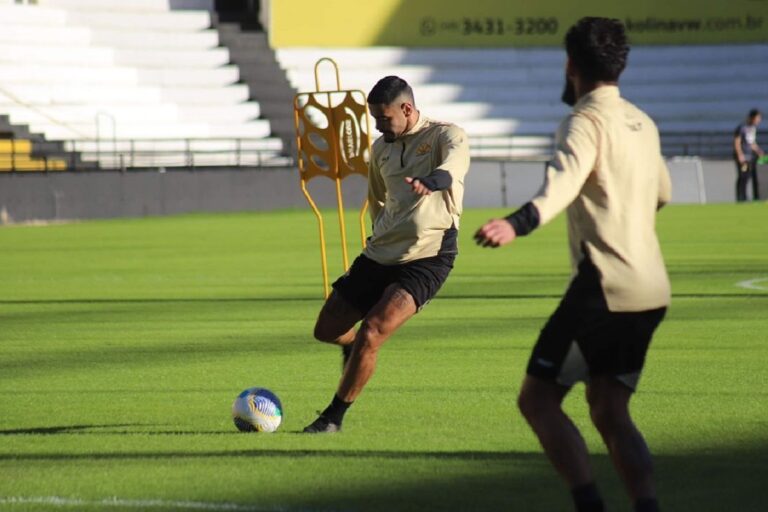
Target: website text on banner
492	23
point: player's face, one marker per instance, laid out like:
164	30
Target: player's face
391	120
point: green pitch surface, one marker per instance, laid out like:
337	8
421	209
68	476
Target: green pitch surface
123	344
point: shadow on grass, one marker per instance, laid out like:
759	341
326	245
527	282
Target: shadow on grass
63	429
455	296
707	481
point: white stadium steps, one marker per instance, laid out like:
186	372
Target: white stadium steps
77	94
77	69
499	94
71	67
159	38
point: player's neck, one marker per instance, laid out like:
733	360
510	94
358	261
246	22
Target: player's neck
584	88
414	120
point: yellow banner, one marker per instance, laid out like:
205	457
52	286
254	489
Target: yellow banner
489	23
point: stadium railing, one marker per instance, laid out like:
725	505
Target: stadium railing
123	154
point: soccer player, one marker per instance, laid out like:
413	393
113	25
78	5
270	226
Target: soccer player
609	175
415	191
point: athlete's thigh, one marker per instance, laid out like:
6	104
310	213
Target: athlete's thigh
336	317
605	393
535	390
394	308
615	344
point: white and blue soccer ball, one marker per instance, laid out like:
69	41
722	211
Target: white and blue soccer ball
257	410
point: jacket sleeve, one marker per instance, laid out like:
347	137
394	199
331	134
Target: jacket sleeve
377	191
665	184
575	159
453	153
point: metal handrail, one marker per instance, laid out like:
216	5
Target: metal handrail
111	118
235	152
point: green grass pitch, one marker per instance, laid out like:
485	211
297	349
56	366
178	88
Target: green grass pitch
123	344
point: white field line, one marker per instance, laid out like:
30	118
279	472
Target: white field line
753	284
58	501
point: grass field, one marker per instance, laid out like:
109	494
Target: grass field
123	344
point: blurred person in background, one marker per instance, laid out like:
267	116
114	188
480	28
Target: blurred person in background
745	154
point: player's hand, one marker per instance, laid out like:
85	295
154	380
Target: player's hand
417	186
495	233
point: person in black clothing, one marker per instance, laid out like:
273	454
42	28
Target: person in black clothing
745	155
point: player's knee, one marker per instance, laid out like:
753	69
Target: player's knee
370	337
608	416
523	404
323	333
529	404
536	405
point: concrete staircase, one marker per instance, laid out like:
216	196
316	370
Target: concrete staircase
150	84
267	84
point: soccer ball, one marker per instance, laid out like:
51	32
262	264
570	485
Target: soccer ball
257	410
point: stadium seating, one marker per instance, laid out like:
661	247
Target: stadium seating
137	84
16	155
508	99
128	83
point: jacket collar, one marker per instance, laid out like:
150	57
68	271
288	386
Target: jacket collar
420	124
602	93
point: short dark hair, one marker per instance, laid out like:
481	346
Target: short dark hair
754	113
598	47
388	89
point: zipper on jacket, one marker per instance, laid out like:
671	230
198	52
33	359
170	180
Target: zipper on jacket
402	157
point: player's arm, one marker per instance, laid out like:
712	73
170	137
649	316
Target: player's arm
737	147
453	150
566	173
665	184
498	232
377	191
434	181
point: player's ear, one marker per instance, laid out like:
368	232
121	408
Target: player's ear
406	108
570	69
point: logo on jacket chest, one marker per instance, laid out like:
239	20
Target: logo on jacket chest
423	149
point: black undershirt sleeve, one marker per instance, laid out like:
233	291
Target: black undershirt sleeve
524	220
437	180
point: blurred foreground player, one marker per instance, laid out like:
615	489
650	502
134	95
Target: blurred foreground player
415	190
609	174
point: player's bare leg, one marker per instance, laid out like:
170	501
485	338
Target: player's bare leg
540	401
609	407
335	324
394	308
336	321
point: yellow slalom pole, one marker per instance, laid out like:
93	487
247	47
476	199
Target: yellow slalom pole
312	158
342	226
363	211
321	229
337	179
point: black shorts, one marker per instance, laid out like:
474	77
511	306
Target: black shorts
365	282
583	338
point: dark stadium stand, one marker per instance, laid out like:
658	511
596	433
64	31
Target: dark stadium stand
21	150
260	71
